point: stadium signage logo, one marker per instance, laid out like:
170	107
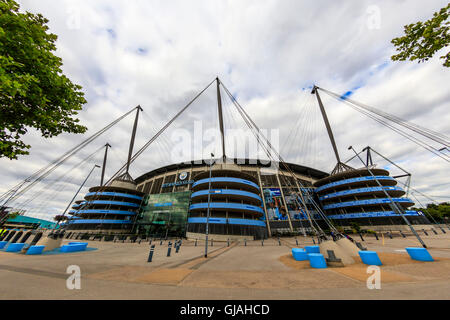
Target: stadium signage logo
178	183
183	175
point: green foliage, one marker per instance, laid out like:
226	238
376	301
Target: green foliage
437	211
423	39
33	90
13	215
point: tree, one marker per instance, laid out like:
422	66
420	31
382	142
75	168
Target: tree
60	217
437	211
423	39
34	93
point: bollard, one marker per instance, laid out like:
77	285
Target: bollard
245	242
279	242
177	248
425	232
296	242
376	236
169	248
262	243
160	242
360	235
228	242
434	231
195	242
150	255
403	235
150	242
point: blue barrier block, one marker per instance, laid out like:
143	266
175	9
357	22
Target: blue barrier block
85	244
420	254
3	244
74	247
370	257
15	247
312	249
35	250
299	254
316	260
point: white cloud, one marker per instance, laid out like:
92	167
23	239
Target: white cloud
160	54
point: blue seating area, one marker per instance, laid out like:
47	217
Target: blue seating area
370	257
299	254
3	244
312	249
35	249
74	247
419	254
15	247
317	261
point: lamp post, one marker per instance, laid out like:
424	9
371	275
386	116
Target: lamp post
207	211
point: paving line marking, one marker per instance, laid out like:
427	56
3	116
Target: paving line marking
34	272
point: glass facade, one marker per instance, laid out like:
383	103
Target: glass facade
164	214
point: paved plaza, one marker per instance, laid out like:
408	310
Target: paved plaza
239	271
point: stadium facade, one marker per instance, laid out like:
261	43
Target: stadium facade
247	198
235	198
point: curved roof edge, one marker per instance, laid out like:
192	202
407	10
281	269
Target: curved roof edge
247	162
349	174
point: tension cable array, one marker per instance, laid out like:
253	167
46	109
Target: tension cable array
384	118
144	147
269	149
36	177
56	181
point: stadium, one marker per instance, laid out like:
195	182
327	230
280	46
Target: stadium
236	198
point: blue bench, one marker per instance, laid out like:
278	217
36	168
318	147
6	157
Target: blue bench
317	261
419	254
3	244
312	249
74	247
15	247
370	257
299	254
35	249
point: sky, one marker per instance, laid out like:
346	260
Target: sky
161	54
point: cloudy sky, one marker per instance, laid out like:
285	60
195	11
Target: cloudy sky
160	54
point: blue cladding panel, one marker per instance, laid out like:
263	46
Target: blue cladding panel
117	203
360	179
114	194
226	179
92	211
226	192
226	205
99	221
374	214
357	191
247	222
366	202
